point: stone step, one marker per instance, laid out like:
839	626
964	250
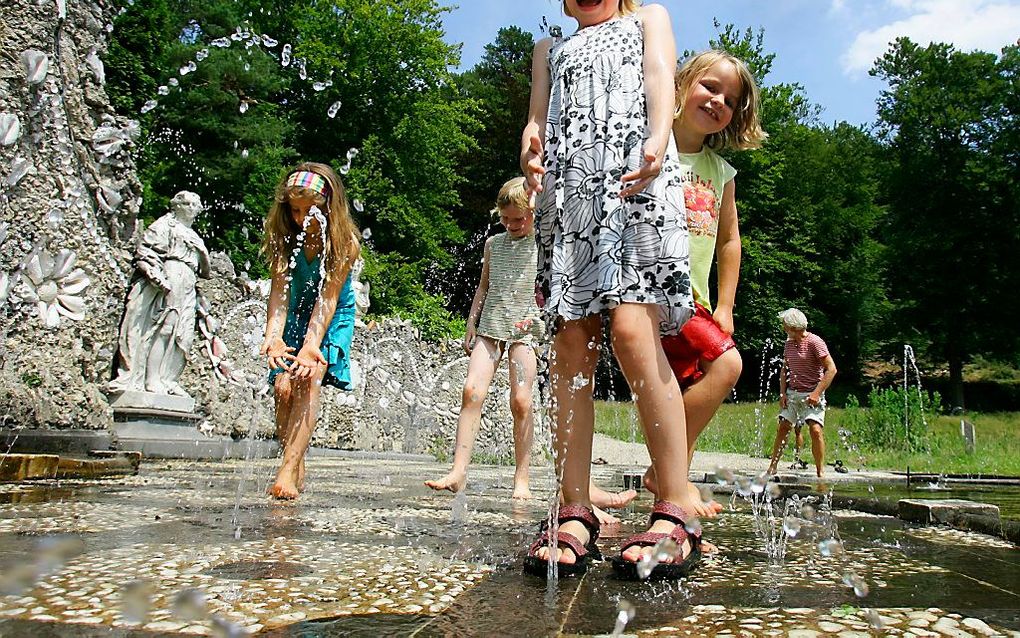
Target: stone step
27	467
944	511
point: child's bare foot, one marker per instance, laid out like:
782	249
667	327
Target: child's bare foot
283	489
605	518
703	509
521	492
454	482
601	498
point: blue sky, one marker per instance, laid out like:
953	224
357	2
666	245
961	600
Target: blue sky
825	45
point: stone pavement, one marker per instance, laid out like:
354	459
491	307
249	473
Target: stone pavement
195	548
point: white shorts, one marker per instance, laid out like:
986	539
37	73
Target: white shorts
797	411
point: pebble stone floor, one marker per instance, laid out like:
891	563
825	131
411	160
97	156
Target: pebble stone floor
369	551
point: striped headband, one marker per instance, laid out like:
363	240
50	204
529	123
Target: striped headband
307	179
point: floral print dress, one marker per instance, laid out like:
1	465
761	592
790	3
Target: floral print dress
597	251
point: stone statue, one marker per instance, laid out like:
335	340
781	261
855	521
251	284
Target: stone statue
159	320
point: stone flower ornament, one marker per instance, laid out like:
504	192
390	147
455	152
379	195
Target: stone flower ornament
55	286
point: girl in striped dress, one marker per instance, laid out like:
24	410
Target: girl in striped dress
504	319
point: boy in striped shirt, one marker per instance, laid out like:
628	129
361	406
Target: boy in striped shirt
808	370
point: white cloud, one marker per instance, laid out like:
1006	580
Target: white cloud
968	24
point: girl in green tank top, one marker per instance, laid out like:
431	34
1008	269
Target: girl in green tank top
504	319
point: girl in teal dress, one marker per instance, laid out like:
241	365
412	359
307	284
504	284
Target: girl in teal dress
311	244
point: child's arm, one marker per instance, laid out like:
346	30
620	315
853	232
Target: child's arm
659	64
276	318
533	138
830	373
479	301
322	314
727	252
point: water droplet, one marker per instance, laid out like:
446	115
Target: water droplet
743	486
201	55
334	108
302	69
243	108
857	583
187	68
319	86
830	547
163	90
807	511
578	382
366	234
189	605
625	613
269	42
221	43
285	55
384	403
173	82
758	484
791	525
244	154
874	619
136	600
723	476
148	106
358	206
693	527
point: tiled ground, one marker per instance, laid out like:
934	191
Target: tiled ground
369	551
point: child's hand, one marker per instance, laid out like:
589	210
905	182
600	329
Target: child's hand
643	176
278	352
469	339
723	317
306	361
813	399
782	400
531	164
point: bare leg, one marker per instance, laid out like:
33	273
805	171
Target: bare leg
303	414
283	396
481	367
523	367
817	446
660	405
779	444
798	441
701	402
571	368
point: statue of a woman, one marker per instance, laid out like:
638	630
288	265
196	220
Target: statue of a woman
159	320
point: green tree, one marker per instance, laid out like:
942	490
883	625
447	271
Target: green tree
949	118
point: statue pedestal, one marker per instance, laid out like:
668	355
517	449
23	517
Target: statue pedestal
134	401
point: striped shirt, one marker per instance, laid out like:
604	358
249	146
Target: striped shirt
805	362
509	312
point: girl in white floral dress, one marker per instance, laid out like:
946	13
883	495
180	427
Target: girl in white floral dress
612	235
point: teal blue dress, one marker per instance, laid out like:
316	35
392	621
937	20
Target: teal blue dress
336	343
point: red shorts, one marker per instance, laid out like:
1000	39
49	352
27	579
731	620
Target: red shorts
701	339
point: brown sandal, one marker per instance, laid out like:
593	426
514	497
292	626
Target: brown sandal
627	569
584	553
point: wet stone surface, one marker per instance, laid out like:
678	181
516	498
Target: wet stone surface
195	548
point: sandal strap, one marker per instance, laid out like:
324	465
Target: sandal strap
670	512
583	515
648	539
562	539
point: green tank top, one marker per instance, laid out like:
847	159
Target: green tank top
509	312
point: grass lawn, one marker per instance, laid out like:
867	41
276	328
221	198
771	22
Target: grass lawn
750	428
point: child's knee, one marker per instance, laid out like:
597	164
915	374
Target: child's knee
283	388
817	431
473	393
520	405
731	364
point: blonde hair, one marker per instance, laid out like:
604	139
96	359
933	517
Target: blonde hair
793	318
627	7
281	230
744	130
512	193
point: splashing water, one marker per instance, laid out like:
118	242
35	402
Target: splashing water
625	613
664	551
